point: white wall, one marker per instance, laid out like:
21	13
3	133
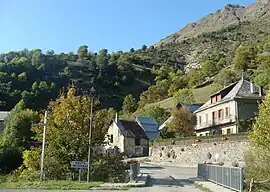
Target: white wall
118	138
125	144
224	130
232	112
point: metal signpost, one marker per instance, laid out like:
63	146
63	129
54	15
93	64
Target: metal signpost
79	165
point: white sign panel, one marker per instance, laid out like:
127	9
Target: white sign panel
79	164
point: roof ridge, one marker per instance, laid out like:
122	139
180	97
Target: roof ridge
241	81
127	120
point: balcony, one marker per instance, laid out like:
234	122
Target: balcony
215	122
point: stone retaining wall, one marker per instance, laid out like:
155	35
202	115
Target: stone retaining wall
189	155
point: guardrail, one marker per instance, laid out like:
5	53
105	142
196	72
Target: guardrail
230	177
134	170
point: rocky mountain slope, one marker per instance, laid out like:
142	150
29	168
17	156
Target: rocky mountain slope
229	15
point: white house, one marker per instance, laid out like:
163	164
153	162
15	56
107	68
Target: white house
128	136
225	109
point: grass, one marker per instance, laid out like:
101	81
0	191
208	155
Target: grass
49	185
201	187
201	95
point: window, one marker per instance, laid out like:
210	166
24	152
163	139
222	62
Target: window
200	120
137	141
218	97
227	112
213	99
214	115
111	139
206	134
200	135
221	114
228	131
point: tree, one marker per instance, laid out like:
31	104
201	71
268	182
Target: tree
22	76
225	77
17	132
221	63
131	50
183	122
70	114
82	51
102	59
144	47
209	68
245	57
160	114
262	74
129	104
195	77
257	157
185	96
10	159
178	82
155	93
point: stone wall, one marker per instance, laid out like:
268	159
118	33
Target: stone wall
189	155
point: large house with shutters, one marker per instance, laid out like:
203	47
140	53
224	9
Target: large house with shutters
225	110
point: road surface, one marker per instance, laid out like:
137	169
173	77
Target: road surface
163	179
166	178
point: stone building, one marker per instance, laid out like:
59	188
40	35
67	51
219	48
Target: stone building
128	136
227	108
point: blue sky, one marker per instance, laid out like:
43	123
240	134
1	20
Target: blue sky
64	25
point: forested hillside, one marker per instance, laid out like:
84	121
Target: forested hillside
141	76
37	77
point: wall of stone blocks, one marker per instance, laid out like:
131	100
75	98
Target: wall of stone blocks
189	155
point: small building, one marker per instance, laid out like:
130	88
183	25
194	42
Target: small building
3	116
225	110
128	136
179	105
149	125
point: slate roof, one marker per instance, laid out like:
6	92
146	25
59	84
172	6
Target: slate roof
239	90
3	115
242	90
149	125
131	129
190	107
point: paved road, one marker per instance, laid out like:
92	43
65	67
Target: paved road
163	179
166	178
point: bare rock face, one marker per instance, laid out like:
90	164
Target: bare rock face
229	15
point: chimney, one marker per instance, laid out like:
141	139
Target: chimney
116	118
251	87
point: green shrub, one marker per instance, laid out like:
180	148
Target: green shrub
10	159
